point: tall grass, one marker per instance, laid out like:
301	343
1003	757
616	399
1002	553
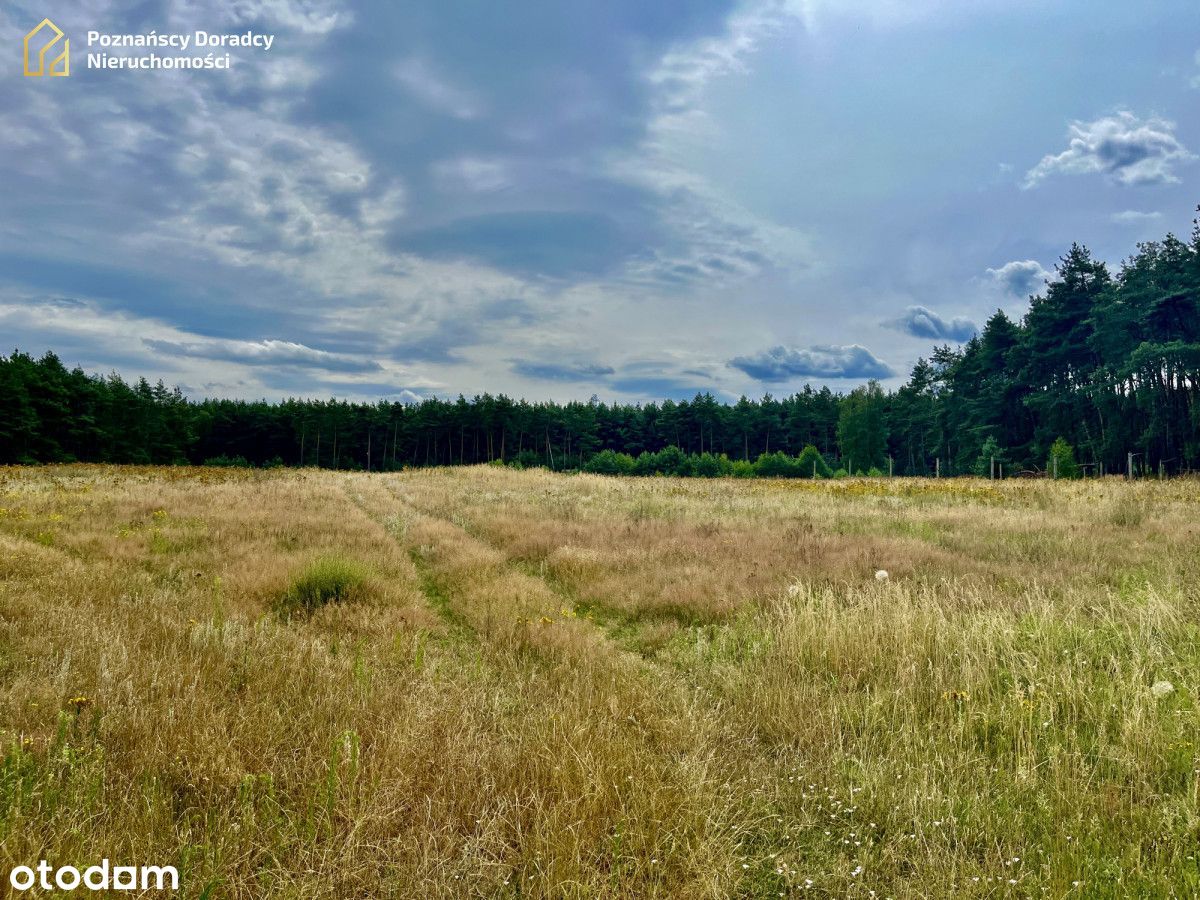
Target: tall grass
329	579
498	683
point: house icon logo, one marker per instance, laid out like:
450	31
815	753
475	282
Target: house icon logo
47	40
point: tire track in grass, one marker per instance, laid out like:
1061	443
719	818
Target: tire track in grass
623	628
616	628
434	592
730	764
469	583
437	597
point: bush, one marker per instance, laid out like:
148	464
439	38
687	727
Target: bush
990	450
809	461
610	462
667	461
741	469
527	459
708	465
330	579
776	465
228	462
1064	454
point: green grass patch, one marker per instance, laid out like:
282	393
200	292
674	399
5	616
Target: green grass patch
330	579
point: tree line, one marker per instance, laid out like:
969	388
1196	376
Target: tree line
1106	365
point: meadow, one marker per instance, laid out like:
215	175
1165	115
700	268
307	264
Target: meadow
481	682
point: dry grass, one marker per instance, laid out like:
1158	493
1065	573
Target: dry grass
541	685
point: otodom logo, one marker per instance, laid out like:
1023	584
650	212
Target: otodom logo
47	40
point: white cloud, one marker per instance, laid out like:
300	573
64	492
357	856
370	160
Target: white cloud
473	174
264	353
720	240
83	331
1134	217
435	91
1021	277
1122	147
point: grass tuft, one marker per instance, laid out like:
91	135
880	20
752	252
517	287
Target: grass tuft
329	579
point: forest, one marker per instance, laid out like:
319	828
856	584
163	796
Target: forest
1103	369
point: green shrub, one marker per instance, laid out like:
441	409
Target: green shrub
809	461
330	579
991	450
741	468
709	465
776	465
228	462
667	461
527	459
610	462
1064	454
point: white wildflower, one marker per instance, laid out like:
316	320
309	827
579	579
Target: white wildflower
1162	688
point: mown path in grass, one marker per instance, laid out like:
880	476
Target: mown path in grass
670	723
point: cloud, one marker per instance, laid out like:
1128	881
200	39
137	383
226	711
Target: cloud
433	90
717	239
1125	149
472	173
666	387
1134	217
558	244
547	371
821	361
925	323
263	353
1021	277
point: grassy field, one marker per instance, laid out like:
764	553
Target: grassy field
489	683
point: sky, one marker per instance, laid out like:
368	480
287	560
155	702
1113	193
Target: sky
557	200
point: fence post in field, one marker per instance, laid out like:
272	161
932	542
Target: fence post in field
992	471
937	468
1054	460
1001	471
1160	470
1129	466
